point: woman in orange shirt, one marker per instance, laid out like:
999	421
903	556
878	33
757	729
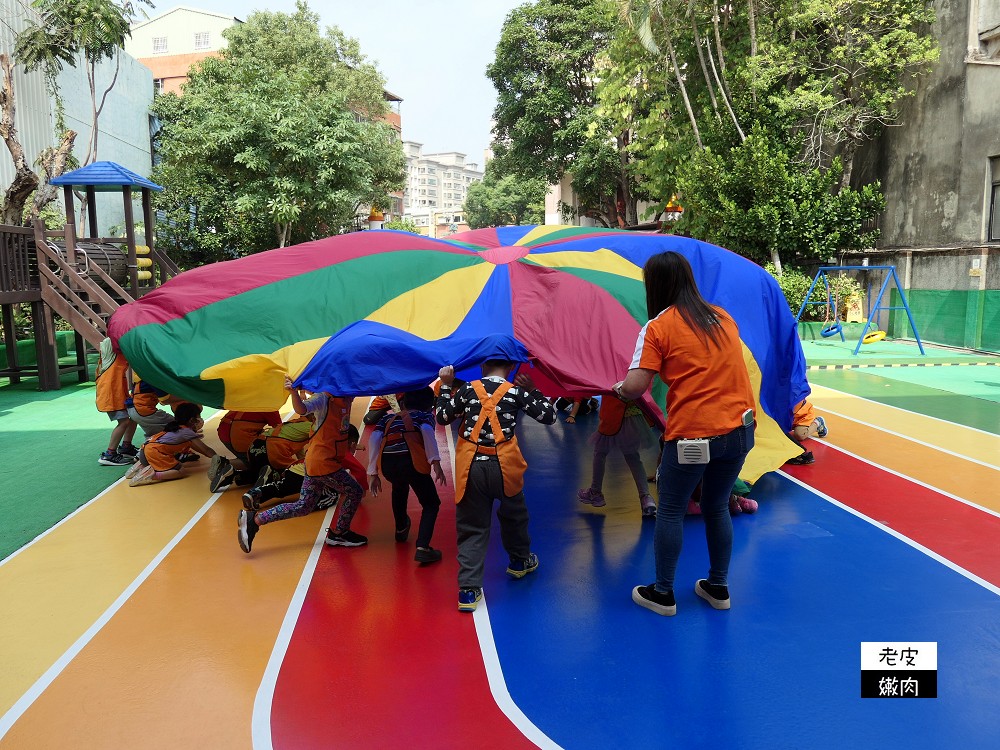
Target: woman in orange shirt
696	350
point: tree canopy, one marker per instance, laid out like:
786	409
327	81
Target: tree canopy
499	200
277	140
750	113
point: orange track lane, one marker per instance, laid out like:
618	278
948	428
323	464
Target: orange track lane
197	635
952	474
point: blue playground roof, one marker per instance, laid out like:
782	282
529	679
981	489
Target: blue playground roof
104	176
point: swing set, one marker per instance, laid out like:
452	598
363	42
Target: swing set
871	332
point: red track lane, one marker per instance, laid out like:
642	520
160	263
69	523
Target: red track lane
966	535
423	684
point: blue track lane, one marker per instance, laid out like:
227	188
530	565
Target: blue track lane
809	582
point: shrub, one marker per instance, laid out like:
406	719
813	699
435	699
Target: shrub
795	284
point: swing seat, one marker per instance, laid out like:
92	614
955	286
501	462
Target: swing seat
872	337
831	330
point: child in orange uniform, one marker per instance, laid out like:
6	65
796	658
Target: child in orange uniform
622	427
325	473
404	449
158	457
806	424
112	392
489	467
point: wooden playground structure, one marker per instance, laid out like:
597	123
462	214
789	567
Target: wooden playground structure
83	280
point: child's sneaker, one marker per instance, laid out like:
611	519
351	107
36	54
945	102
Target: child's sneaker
821	428
715	594
251	499
803	459
694	508
186	458
127	449
247	529
113	458
345	539
590	496
748	504
223	476
134	469
145	475
468	599
521	568
648	506
654	601
427	555
403	534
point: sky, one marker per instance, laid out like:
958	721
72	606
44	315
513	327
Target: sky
432	53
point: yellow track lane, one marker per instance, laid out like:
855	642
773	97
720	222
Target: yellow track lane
179	665
53	591
948	473
974	444
50	602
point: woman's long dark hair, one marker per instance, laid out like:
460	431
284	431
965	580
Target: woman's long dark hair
670	283
183	416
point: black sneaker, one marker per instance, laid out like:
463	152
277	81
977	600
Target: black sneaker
654	601
186	458
114	458
251	499
403	533
263	477
127	449
426	555
468	599
224	477
714	594
803	459
521	568
247	530
345	539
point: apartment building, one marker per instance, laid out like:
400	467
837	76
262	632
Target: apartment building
174	41
436	188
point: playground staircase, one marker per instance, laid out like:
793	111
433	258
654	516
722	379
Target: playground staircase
34	269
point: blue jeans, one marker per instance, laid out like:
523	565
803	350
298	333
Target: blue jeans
676	484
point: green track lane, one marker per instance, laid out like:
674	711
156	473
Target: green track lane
940	402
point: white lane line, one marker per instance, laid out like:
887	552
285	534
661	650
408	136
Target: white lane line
887	470
32	694
83	507
491	660
904	411
260	722
910	438
892	532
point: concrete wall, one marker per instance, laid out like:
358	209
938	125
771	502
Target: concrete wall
124	124
935	166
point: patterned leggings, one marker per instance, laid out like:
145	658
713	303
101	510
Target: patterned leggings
314	490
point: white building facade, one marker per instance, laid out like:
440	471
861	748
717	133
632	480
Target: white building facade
436	188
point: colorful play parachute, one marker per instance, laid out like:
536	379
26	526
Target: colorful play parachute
380	311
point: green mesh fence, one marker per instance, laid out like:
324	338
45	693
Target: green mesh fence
954	318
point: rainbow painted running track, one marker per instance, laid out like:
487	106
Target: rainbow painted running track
138	622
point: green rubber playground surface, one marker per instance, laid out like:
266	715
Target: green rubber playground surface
49	442
954	394
833	352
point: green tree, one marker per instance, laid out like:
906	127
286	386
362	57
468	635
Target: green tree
402	225
277	140
547	121
816	77
497	200
67	31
